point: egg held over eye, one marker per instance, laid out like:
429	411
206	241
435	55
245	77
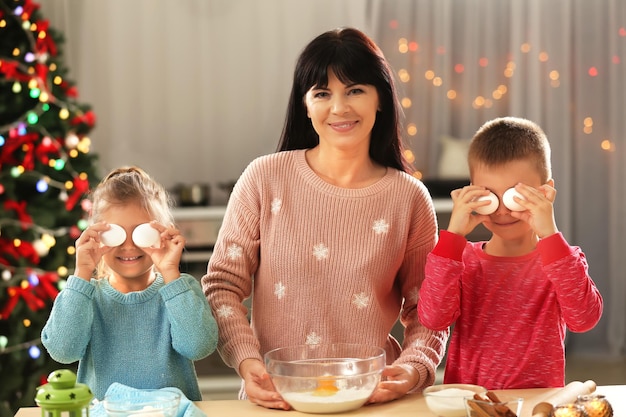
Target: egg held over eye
145	236
509	202
115	236
491	207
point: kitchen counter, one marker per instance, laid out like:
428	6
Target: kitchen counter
409	406
442	205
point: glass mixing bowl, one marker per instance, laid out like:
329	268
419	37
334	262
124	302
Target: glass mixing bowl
325	378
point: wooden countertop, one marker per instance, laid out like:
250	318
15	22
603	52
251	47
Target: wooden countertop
410	406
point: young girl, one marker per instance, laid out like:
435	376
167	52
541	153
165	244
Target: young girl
139	322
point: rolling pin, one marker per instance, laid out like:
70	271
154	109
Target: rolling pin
568	394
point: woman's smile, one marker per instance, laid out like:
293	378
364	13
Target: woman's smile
343	126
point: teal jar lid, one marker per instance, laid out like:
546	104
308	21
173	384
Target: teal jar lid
62	391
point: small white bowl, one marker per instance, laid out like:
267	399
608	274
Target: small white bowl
448	400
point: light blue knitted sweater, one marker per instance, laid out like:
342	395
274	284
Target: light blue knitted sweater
144	339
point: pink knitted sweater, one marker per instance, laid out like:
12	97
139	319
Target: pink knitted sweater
510	314
326	264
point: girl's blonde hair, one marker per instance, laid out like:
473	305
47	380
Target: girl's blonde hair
130	185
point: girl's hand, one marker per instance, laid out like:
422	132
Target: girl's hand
396	381
89	250
166	255
463	218
539	213
258	385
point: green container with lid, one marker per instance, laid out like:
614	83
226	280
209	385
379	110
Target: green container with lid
62	396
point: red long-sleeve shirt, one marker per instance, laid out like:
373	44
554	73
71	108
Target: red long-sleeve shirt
509	314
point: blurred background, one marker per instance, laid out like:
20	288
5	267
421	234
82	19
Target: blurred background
193	90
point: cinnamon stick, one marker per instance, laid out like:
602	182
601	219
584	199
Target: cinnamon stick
502	409
479	410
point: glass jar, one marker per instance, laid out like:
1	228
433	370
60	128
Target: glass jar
569	410
595	405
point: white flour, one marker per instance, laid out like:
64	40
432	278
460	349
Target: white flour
343	400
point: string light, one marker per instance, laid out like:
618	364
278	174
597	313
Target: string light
411	129
59	164
409	156
34	352
71	140
42	186
482	101
41	248
17	171
82	224
32	118
588	125
33	279
607	145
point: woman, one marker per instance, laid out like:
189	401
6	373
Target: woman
333	229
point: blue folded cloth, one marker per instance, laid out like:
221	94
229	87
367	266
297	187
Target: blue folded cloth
186	408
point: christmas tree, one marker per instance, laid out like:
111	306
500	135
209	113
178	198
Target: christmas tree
45	172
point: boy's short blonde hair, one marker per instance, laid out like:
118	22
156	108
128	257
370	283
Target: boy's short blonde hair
507	139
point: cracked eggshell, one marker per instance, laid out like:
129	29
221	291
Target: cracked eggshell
145	235
115	236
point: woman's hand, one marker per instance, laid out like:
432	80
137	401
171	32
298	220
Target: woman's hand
258	385
89	250
396	381
166	256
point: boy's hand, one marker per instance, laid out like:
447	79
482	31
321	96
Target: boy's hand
539	213
463	218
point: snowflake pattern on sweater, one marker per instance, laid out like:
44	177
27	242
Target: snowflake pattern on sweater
324	264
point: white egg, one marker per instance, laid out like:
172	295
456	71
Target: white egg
491	207
145	235
509	202
115	236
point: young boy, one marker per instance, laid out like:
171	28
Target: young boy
511	298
